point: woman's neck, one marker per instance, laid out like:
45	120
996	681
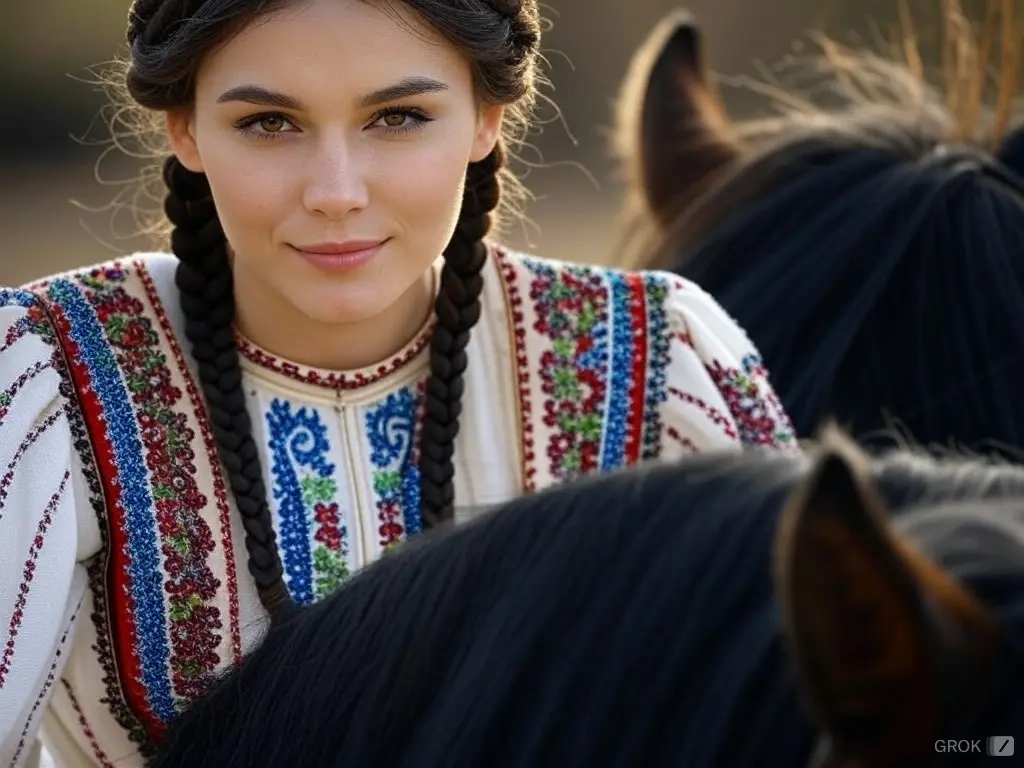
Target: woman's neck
265	318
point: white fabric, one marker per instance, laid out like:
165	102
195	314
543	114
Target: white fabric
317	448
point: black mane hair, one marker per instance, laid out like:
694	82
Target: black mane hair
624	620
868	239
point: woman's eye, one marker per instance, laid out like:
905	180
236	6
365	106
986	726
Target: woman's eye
395	120
272	123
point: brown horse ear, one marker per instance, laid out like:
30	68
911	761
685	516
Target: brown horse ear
672	131
886	644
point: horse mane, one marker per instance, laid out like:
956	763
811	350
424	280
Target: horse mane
867	237
623	620
853	94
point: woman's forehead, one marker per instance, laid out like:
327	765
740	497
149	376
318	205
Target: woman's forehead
333	49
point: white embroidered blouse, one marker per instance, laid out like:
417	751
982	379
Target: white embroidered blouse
123	579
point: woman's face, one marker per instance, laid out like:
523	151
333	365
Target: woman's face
336	141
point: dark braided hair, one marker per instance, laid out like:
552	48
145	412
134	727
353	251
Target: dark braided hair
458	309
168	40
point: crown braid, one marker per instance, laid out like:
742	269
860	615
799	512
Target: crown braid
206	287
139	15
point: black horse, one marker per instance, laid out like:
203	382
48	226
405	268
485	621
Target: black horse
868	237
730	610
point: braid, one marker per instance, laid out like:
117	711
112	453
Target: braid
140	14
458	309
206	287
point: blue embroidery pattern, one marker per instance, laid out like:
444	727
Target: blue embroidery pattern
392	426
305	490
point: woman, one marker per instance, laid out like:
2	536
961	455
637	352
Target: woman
287	389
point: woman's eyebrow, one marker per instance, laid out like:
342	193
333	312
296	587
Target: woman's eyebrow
264	97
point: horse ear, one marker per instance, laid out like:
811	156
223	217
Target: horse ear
884	640
672	131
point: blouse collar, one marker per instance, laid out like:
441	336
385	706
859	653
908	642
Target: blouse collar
370	379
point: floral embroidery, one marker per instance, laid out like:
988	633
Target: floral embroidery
186	539
344	381
514	299
37	322
392	426
7	396
330	554
658	344
305	491
154	506
27	576
34	320
601	376
329	557
747	403
571	308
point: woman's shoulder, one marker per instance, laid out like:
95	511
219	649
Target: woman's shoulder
653	295
670	367
101	318
85	299
147	266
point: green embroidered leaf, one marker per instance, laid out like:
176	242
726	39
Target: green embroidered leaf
175	442
590	426
180	544
559	290
190	669
387	481
317	489
137	382
164	493
587	318
183	609
115	325
564	348
152	359
567	386
331	570
572	460
392	547
93	282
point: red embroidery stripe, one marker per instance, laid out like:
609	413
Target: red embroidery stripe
121	609
514	305
47	684
638	380
28	442
198	405
684	441
7	396
98	753
714	415
28	574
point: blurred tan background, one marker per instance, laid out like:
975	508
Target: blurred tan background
48	46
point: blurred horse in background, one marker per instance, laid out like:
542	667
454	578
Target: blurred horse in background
868	236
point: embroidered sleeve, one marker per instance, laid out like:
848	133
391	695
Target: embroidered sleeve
41	580
718	391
